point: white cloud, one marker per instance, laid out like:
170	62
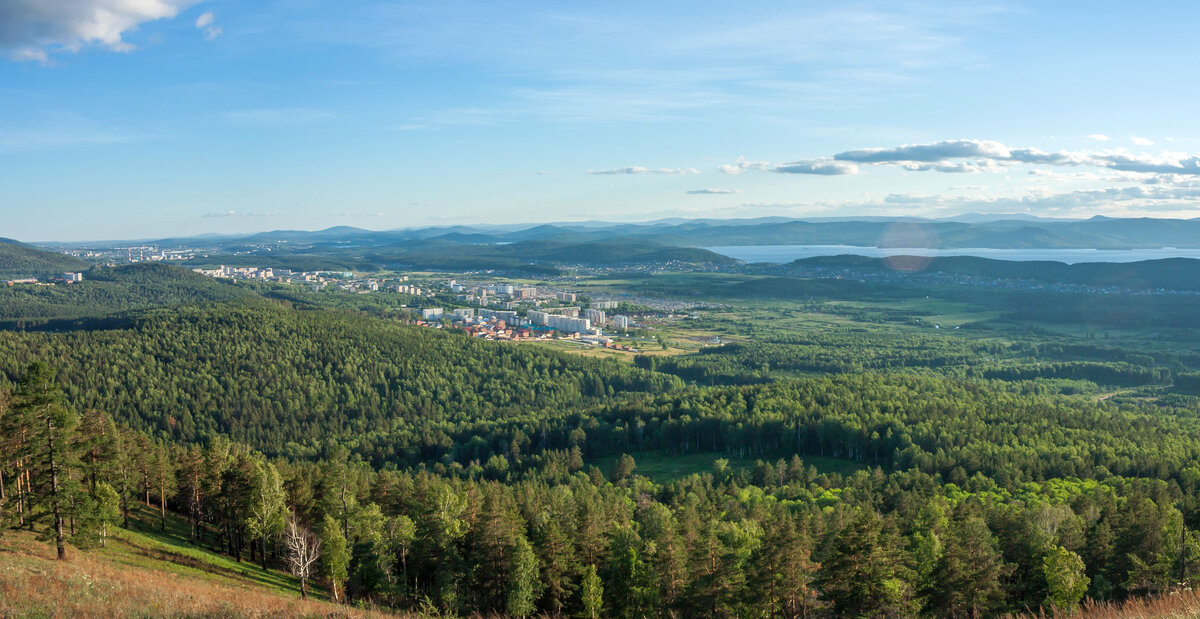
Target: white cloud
205	23
641	170
823	167
984	154
713	191
928	153
1141	141
1100	137
742	166
35	29
957	167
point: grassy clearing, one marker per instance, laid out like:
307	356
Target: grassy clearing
145	545
662	467
137	575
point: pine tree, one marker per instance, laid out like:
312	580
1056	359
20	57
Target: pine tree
39	408
971	572
782	572
860	574
163	480
99	445
192	484
559	558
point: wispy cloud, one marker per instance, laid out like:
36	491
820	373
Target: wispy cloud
206	25
1099	137
1141	141
660	64
34	30
713	191
642	170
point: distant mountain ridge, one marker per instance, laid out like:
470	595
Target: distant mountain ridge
970	230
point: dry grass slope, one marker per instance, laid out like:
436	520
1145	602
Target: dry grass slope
1177	604
98	584
1180	604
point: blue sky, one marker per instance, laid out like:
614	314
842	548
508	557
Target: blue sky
144	118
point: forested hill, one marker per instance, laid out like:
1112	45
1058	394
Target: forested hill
1169	273
474	252
18	260
105	291
285	381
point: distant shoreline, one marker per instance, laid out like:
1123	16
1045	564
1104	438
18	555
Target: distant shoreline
781	254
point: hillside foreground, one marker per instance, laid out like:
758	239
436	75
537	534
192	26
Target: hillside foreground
145	575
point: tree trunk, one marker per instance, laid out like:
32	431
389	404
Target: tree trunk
345	512
20	499
264	551
162	504
59	540
304	588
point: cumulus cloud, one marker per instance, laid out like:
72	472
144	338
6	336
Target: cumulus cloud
641	170
822	167
982	155
741	165
1142	141
205	23
959	167
713	191
928	153
35	29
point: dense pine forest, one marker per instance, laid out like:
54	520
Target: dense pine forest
869	465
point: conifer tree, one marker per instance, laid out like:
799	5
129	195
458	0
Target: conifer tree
38	406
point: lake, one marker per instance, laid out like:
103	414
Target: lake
788	253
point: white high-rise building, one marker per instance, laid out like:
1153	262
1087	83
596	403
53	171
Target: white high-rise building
569	325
